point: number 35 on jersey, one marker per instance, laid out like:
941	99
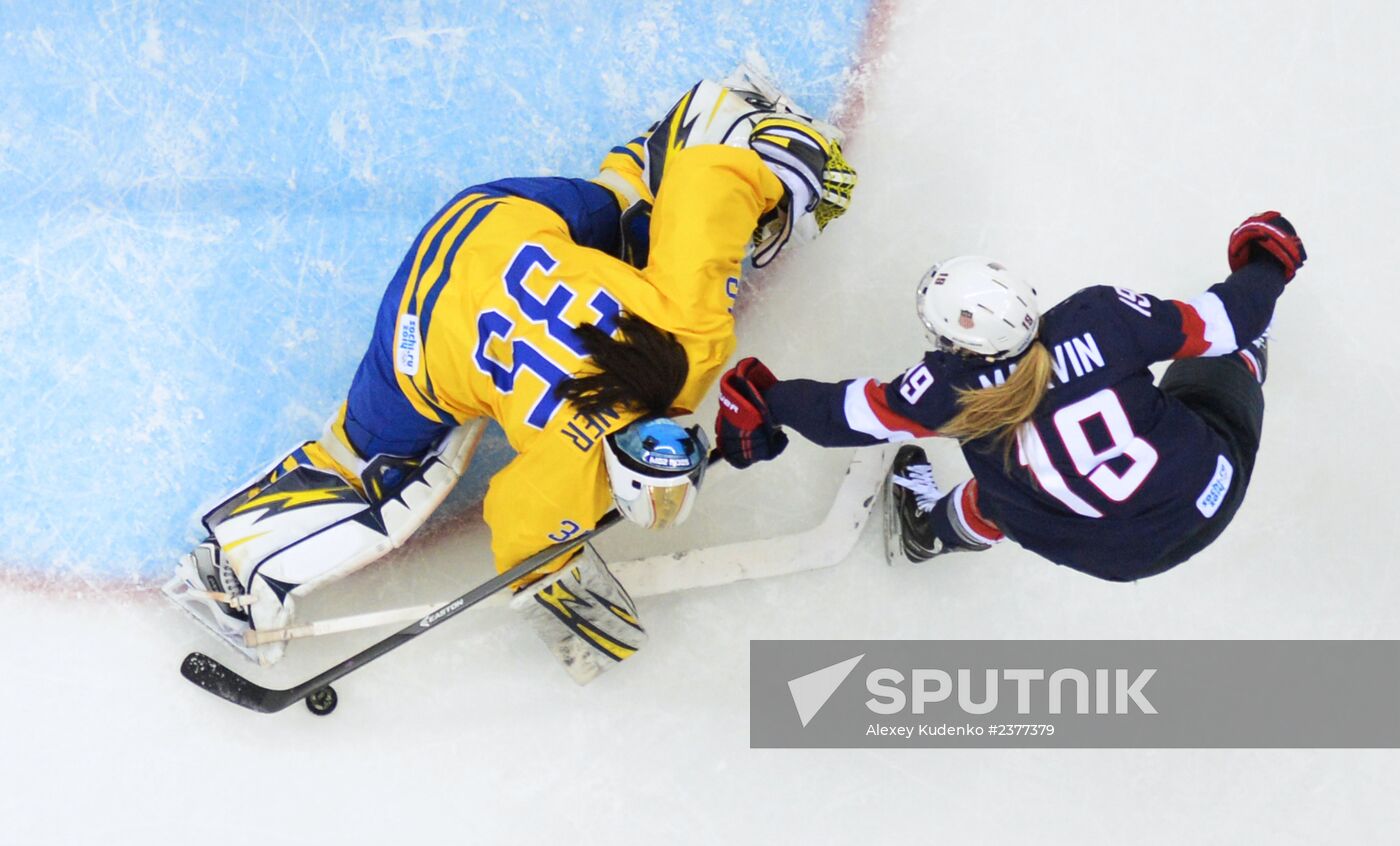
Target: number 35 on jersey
525	332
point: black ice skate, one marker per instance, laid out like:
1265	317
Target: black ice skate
910	495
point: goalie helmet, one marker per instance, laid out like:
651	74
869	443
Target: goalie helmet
655	468
972	305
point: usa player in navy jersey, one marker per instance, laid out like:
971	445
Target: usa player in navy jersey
1075	453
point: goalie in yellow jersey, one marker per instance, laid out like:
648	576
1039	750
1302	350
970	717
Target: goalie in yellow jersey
580	315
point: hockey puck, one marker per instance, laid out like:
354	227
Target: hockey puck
322	701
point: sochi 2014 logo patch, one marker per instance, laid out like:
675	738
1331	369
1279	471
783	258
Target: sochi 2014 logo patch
406	345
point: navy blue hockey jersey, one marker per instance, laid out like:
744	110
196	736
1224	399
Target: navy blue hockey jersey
1110	473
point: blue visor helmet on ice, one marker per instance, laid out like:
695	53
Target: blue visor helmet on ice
655	467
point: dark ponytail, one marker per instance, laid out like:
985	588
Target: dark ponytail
643	371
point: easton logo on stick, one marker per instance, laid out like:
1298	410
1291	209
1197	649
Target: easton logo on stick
442	612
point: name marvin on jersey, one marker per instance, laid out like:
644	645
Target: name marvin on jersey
1079	354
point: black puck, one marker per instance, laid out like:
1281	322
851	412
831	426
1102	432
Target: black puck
322	701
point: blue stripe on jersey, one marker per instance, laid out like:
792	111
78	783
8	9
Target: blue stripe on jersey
626	151
480	208
435	289
386	321
430	255
431	299
589	209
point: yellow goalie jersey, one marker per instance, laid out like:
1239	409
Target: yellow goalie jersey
489	295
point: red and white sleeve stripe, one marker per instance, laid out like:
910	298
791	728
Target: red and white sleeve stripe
970	515
1207	327
867	411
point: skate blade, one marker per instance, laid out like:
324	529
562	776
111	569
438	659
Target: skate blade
197	604
894	539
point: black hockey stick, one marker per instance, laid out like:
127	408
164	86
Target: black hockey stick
219	680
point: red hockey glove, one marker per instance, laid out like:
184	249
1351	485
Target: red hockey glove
744	427
1267	233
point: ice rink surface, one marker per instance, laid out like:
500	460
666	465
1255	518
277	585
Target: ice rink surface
1080	143
203	204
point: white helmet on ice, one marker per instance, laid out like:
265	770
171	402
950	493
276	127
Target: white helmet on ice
655	468
975	306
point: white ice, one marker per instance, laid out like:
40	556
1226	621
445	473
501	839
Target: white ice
1079	142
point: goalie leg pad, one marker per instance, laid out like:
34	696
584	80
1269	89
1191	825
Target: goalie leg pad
429	483
726	113
302	524
585	617
818	179
305	524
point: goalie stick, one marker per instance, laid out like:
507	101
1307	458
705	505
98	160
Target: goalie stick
824	545
219	680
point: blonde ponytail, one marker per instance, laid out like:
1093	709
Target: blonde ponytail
998	411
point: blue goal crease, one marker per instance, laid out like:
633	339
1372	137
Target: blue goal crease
201	204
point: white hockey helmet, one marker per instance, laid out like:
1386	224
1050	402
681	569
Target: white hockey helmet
655	468
975	306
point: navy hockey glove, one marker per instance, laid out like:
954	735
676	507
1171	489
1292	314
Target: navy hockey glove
1267	234
744	428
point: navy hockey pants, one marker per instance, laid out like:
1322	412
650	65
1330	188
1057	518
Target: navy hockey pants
1224	393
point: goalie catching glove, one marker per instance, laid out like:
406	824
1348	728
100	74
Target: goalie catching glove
745	427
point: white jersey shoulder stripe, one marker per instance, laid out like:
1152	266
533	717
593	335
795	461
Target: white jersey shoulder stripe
861	417
1219	332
